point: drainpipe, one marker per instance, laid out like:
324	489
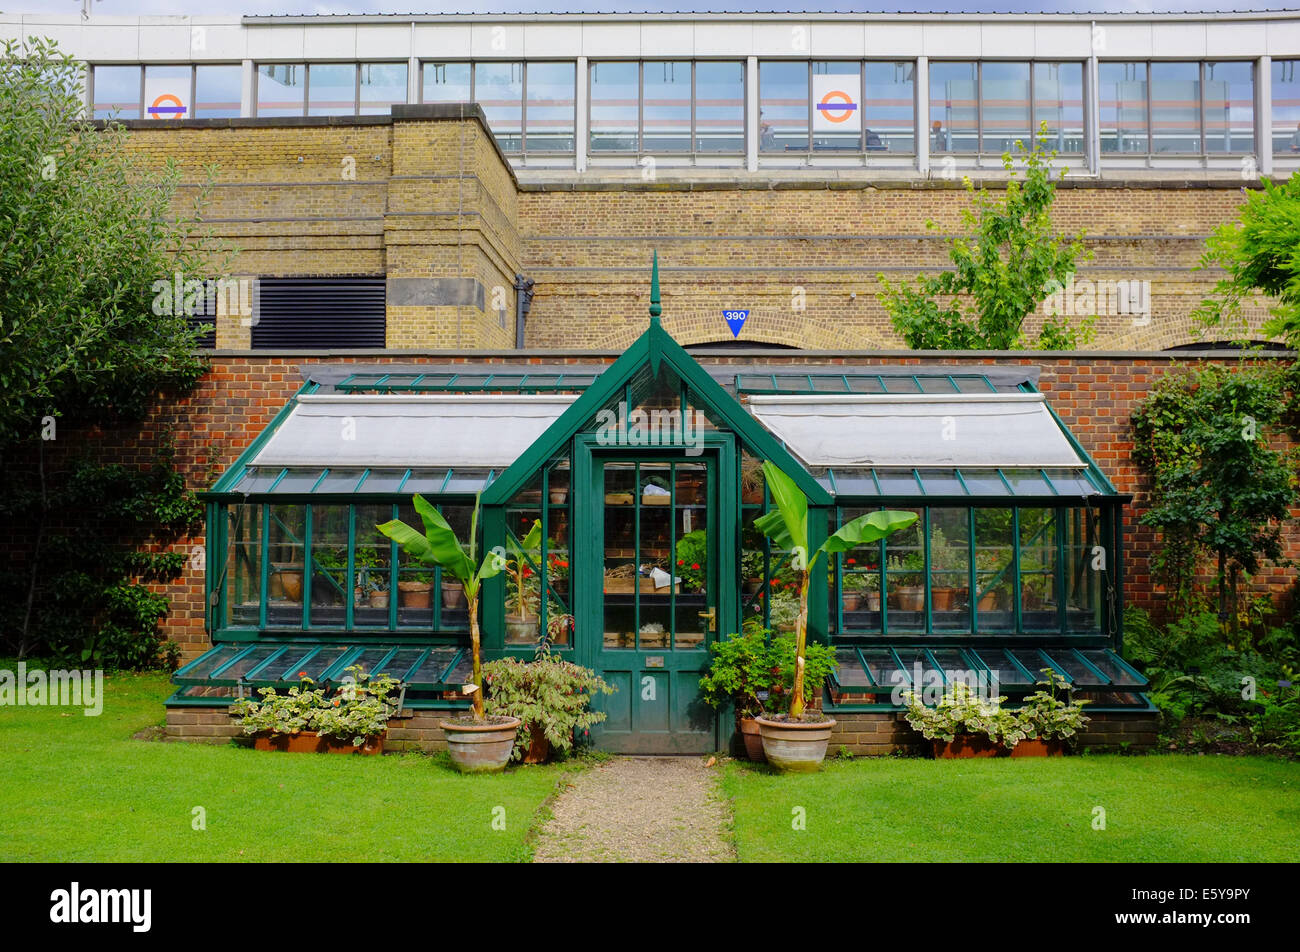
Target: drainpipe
523	302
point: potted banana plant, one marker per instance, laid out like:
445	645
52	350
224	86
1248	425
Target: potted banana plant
479	743
797	741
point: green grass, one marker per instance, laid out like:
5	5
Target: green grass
78	788
1158	809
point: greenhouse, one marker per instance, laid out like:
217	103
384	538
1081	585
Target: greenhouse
645	476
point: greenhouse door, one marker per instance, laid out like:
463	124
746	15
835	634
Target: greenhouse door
654	581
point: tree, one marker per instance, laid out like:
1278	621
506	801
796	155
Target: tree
1218	488
787	526
1000	275
1260	250
86	232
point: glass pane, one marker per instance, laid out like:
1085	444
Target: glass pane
614	104
446	82
1229	107
719	107
1175	107
994	589
666	106
954	122
244	564
860	582
218	91
1285	91
550	116
1038	595
167	92
499	89
382	86
1086	569
329	558
522	577
372	566
281	88
332	89
285	554
415	581
209	662
783	106
1123	94
117	92
889	109
304	662
620	572
432	670
1058	101
1003	668
905	576
1104	661
950	569
837	102
1004	107
248	662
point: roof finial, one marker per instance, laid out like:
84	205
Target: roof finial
655	309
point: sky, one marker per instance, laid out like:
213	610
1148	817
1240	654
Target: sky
237	7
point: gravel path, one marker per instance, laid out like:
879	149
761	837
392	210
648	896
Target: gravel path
639	810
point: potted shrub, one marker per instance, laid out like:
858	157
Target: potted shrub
946	562
751	481
415	590
964	724
351	719
741	674
692	560
559	626
477	743
453	593
550	696
906	588
796	741
1050	717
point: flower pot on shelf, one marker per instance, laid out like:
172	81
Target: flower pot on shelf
873	601
967	745
795	746
378	599
851	601
558	496
944	599
414	594
910	598
752	737
521	629
480	748
988	601
453	595
309	742
291	583
1039	748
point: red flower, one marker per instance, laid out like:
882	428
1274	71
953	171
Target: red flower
695	565
681	561
853	561
302	674
336	703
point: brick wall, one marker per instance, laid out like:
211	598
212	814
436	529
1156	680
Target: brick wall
426	194
878	733
411	730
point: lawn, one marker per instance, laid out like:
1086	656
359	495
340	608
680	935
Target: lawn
1158	808
78	788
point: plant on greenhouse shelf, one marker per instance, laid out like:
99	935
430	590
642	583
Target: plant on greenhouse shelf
551	696
797	741
965	723
523	589
692	560
354	716
906	581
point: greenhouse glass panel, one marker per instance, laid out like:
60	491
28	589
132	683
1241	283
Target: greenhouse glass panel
426	482
950	569
860	582
385	481
1108	664
884	669
1039	598
247	662
329	557
372	568
307	661
850	673
905	576
1086	569
941	482
995	584
340	481
299	481
400	665
201	668
1003	667
285	538
433	671
243	570
984	482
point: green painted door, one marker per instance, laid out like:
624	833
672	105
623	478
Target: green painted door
652	589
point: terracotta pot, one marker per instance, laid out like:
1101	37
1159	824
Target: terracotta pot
539	748
1039	748
795	747
943	599
414	594
752	497
752	737
309	742
558	496
910	599
291	584
873	601
378	599
851	601
964	746
521	629
988	601
453	595
480	748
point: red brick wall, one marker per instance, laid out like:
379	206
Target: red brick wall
1094	395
